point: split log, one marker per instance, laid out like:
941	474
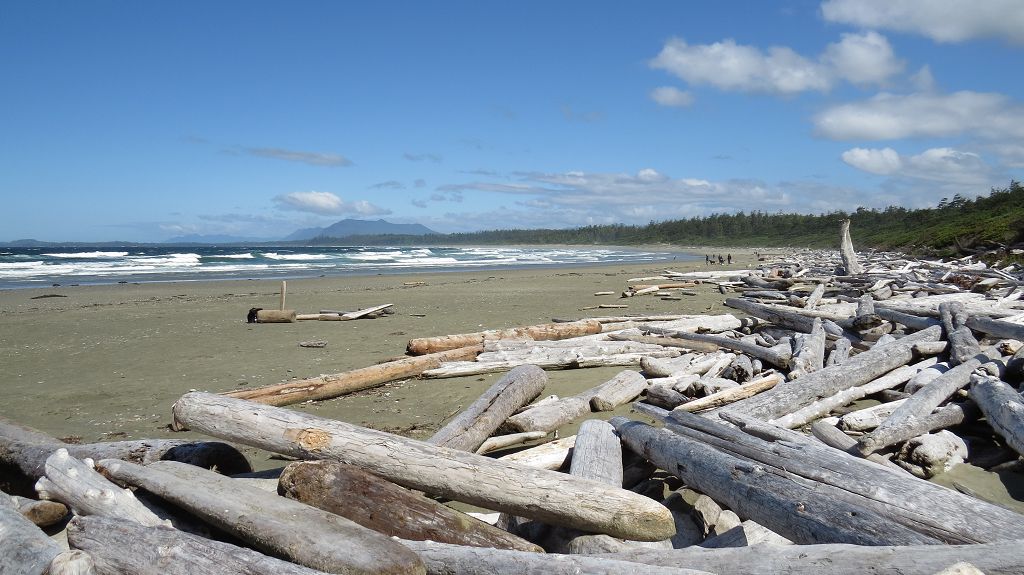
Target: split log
24	548
900	426
1003	408
1002	558
764	496
824	406
621	389
499	442
552	455
42	513
727	396
850	263
466	477
275	316
444	559
272	524
548	331
77	484
468	430
384	507
809	353
858	370
329	386
127	547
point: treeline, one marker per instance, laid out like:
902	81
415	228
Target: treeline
956	223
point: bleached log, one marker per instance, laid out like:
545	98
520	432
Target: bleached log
78	485
272	524
621	389
833	437
275	316
858	370
840	352
548	331
742	368
1002	558
774	356
1003	408
24	548
126	547
962	344
552	455
910	320
926	376
72	562
727	396
443	559
745	534
850	263
664	342
815	296
499	442
386	508
328	386
468	430
809	352
548	418
466	477
664	395
825	405
868	418
784	316
564	360
995	327
900	425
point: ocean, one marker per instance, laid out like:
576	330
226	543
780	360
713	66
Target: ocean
42	267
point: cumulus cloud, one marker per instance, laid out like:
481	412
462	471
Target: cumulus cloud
945	21
861	59
311	158
922	178
893	117
326	203
672	97
884	161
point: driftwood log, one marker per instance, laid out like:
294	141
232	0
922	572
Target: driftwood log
40	512
24	548
461	476
468	430
1003	407
380	505
328	386
548	331
850	262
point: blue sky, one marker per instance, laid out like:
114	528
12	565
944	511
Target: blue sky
147	120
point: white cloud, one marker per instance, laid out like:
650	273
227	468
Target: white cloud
860	59
326	203
863	59
940	20
672	97
894	117
922	80
882	162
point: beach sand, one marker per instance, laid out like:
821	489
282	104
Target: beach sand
107	362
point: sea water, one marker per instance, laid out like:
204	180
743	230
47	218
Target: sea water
46	266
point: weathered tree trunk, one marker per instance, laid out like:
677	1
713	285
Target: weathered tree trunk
772	355
1003	408
817	517
996	328
815	296
24	548
731	395
623	388
547	331
384	507
552	456
853	267
858	370
910	320
809	354
272	524
1002	558
664	342
787	318
834	437
962	344
328	386
900	426
86	492
466	477
127	547
840	353
444	559
468	430
275	316
498	442
550	417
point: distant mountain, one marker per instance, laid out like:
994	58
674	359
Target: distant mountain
211	239
350	227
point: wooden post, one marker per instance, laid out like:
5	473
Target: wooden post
284	290
457	475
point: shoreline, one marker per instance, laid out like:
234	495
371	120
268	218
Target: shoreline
107	361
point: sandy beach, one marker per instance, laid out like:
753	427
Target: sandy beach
106	362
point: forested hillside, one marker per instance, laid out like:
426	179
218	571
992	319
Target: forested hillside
956	224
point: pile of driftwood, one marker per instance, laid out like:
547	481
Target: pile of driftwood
764	457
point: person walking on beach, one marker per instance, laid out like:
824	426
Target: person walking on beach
707	260
729	258
721	260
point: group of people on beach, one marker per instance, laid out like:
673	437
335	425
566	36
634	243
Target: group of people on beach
708	260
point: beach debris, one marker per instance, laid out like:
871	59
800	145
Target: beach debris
550	331
314	343
276	316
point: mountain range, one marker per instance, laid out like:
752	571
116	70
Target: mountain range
351	227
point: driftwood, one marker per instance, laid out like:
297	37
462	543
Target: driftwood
328	386
24	548
607	396
900	426
468	430
809	351
549	331
962	344
1002	558
549	360
858	370
499	442
834	437
664	341
127	547
387	508
995	327
272	524
276	316
777	357
42	513
1003	408
621	389
466	477
850	263
552	455
733	394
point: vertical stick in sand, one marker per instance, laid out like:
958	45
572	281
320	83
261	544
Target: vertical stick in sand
284	289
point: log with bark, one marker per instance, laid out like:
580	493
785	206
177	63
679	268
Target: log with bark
275	525
466	477
468	430
334	385
395	511
548	331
